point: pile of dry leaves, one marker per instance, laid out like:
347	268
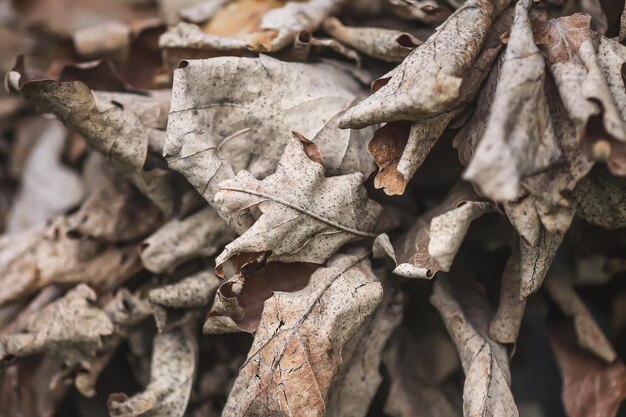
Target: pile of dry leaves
206	211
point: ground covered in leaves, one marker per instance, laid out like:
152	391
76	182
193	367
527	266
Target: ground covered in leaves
404	208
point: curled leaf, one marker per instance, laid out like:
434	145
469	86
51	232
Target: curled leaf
506	321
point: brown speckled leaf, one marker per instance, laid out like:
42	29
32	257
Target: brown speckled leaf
507	319
215	132
304	216
570	50
68	327
432	242
297	348
386	44
519	138
428	81
466	314
601	199
174	361
588	333
535	260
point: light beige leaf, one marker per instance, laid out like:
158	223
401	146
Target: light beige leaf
400	148
432	242
353	391
570	49
107	39
116	132
506	321
588	333
427	11
191	292
54	256
417	370
519	138
174	362
297	348
385	44
535	260
306	48
201	11
305	217
198	235
238	303
487	388
215	132
67	326
428	81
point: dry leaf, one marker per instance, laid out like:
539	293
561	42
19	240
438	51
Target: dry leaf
506	321
297	348
172	372
305	217
427	11
353	391
435	70
519	138
487	389
191	292
432	242
386	44
239	301
591	387
570	49
110	128
67	327
600	199
588	333
54	256
199	235
215	132
535	260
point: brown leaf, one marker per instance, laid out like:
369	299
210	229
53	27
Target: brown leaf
297	349
305	217
215	132
67	327
198	235
570	49
385	44
435	69
535	260
238	303
174	361
487	389
506	321
600	198
432	242
102	123
591	387
519	138
427	11
588	333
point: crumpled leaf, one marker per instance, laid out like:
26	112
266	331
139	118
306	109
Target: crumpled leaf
600	199
427	11
213	133
111	129
65	327
519	138
588	334
435	70
591	387
239	301
432	242
353	391
535	260
400	148
306	48
385	44
53	255
570	49
417	370
305	217
174	361
198	235
507	319
487	388
297	348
